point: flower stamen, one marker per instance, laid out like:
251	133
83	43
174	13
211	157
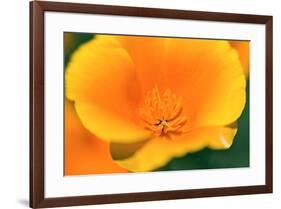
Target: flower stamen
162	114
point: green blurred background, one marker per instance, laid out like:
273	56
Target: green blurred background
234	157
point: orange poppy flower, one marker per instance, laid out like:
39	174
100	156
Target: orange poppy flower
84	153
154	99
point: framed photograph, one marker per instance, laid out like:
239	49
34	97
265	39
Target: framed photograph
139	104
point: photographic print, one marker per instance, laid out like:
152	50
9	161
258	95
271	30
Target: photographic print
146	104
132	104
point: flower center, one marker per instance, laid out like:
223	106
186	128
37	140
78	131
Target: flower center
162	114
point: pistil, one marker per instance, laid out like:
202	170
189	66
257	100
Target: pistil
162	114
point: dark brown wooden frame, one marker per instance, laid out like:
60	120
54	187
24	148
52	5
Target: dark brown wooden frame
37	9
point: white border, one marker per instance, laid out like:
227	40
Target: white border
57	186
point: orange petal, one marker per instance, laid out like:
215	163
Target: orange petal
209	77
148	55
109	126
159	151
102	74
84	153
243	49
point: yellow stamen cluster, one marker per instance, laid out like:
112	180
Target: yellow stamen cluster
162	114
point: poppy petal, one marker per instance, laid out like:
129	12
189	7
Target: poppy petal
148	55
109	126
209	77
102	74
84	153
159	151
243	49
